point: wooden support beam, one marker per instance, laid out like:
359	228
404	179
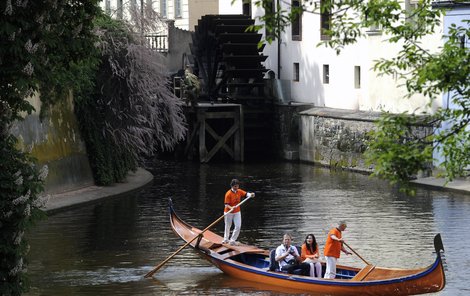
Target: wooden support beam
202	135
191	138
221	115
241	134
221	142
214	134
201	127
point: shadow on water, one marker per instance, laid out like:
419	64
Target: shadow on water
106	248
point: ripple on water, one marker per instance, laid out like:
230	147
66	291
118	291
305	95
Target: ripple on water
106	248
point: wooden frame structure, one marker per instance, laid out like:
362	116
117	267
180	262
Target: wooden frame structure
225	115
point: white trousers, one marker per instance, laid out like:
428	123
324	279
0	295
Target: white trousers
235	219
315	267
330	272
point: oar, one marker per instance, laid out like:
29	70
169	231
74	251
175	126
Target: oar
153	271
356	253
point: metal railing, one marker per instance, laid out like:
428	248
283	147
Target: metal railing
158	42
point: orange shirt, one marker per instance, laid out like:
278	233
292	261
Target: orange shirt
306	252
233	199
332	247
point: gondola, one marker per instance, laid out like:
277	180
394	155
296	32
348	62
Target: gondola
252	264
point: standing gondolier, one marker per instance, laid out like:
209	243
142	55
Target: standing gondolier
232	198
333	248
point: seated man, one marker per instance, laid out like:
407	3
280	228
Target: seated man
288	257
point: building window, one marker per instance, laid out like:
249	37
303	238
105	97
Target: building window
163	12
357	76
326	74
411	14
133	5
296	72
297	22
374	30
247	7
463	41
269	16
178	13
119	9
107	7
325	19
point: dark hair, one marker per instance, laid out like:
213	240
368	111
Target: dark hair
234	182
312	247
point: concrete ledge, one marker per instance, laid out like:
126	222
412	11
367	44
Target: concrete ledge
134	182
344	114
458	185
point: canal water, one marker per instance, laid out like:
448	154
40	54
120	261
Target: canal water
106	248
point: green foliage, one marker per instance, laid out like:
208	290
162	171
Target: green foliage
109	160
20	185
47	47
399	148
131	112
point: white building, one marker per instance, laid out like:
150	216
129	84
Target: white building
318	75
185	13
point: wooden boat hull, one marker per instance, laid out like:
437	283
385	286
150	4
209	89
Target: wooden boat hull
249	263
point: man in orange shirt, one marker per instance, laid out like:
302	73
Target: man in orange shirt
333	248
232	198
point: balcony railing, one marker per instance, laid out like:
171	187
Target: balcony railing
158	42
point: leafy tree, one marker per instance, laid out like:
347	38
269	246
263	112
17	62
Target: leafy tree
398	153
131	112
45	47
21	184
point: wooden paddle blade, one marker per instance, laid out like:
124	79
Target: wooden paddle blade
153	271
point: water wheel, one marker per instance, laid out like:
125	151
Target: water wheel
228	60
227	57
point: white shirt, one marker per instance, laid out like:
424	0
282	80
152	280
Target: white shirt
281	250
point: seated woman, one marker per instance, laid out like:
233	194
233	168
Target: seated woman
310	255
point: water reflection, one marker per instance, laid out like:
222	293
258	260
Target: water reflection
105	249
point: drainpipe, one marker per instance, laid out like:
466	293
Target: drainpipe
278	43
142	20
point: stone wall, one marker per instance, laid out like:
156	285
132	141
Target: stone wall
335	137
55	141
178	47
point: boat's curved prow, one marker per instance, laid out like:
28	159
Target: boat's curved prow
438	246
174	217
170	205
